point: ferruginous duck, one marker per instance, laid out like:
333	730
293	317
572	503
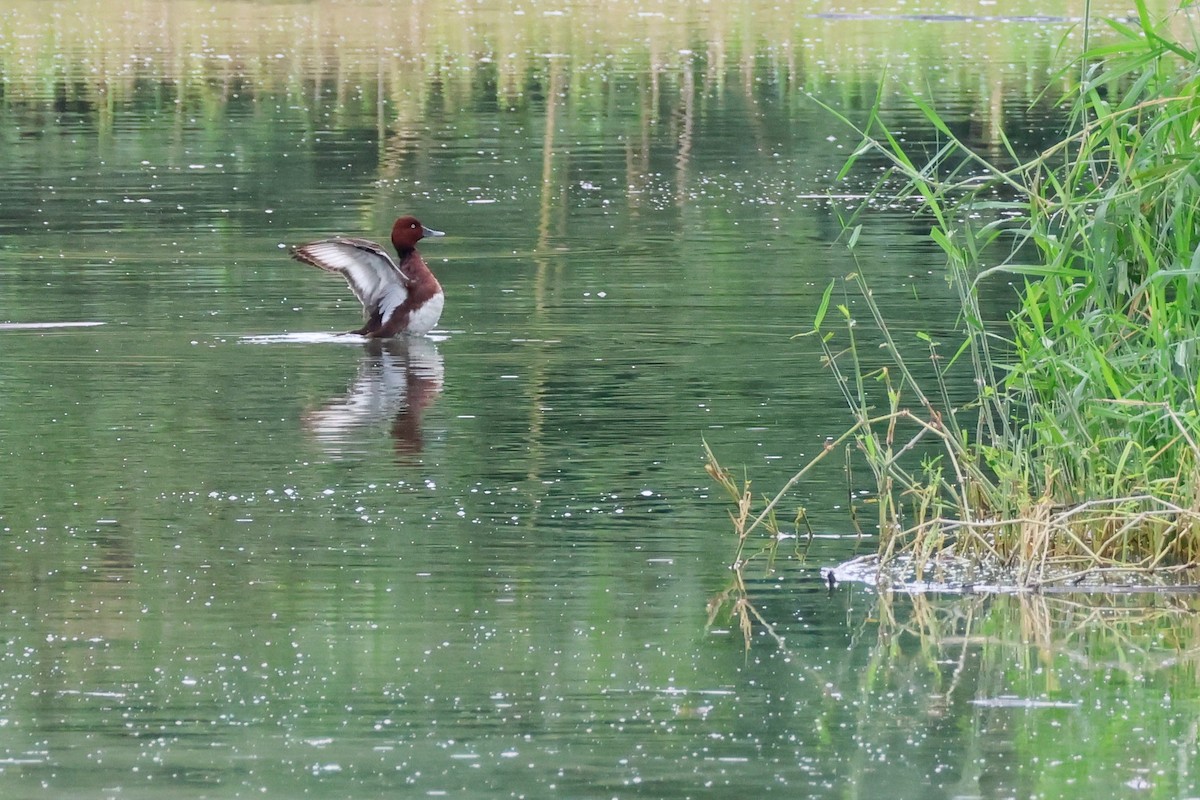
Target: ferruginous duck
401	297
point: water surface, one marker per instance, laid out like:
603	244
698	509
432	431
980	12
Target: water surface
245	555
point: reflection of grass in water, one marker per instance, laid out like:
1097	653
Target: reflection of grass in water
1057	680
449	53
1032	670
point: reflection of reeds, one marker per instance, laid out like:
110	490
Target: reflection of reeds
384	58
1031	672
1134	632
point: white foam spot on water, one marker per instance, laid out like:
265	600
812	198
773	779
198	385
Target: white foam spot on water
30	326
305	337
316	337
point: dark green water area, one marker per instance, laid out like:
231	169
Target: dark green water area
241	556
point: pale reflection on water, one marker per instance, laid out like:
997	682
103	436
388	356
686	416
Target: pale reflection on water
34	326
397	381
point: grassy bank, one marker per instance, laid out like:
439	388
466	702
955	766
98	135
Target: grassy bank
1079	457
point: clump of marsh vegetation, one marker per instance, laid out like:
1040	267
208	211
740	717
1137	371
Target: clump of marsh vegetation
1078	459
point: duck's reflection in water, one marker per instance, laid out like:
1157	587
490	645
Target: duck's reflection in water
397	380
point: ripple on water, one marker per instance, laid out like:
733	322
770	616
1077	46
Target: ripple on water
34	326
316	337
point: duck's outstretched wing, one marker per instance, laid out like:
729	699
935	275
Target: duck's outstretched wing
373	276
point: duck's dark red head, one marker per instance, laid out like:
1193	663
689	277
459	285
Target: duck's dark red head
408	231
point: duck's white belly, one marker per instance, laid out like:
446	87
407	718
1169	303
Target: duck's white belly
422	319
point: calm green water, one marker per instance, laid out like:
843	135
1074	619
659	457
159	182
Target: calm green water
242	557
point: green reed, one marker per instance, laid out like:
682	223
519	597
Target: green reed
1084	438
1080	452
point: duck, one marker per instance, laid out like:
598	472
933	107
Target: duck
397	296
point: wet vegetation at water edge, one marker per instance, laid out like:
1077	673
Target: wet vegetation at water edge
1077	462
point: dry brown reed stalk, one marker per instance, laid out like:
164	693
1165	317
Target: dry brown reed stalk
734	601
1046	543
741	498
